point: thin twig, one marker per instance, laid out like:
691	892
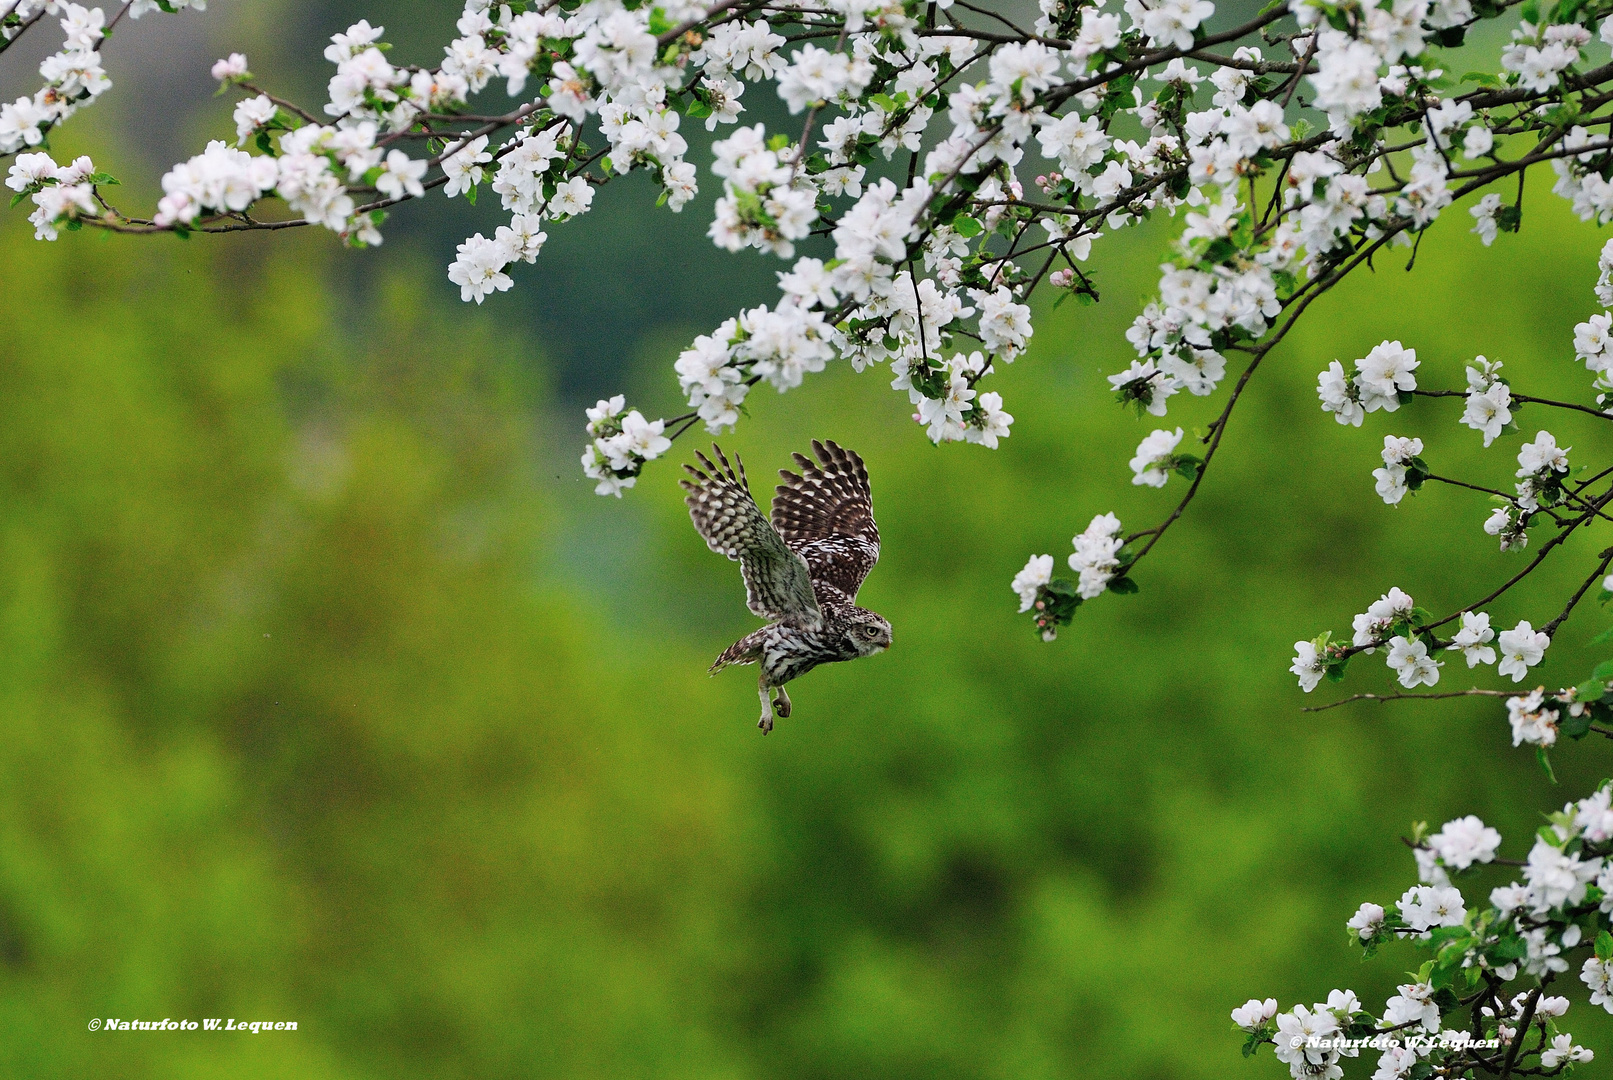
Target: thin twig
1475	692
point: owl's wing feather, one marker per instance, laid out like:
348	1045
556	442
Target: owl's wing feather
826	513
777	584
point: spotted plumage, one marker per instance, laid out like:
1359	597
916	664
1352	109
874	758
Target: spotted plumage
802	569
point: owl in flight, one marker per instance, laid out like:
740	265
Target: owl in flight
802	570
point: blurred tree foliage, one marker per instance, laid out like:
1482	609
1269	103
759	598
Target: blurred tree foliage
328	693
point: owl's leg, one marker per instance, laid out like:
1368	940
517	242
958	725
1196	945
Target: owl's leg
782	705
766	722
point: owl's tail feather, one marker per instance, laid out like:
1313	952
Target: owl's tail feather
747	650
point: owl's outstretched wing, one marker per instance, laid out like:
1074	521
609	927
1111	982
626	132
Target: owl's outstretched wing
826	513
777	584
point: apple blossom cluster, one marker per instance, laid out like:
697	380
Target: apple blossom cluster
73	76
1100	561
61	194
1384	379
1480	1004
1591	337
1402	470
1394	621
1156	459
622	442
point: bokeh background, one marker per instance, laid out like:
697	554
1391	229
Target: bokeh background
330	693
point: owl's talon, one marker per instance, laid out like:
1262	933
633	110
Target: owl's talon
765	723
782	705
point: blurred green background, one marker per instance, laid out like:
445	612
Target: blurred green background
330	693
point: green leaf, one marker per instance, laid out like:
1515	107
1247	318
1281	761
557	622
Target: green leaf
1545	763
1220	250
966	226
1509	948
1122	585
1604	946
1604	670
1252	1043
1576	727
470	194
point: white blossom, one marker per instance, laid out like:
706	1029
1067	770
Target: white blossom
1473	639
1522	648
1531	721
1465	841
1095	557
1410	661
1254	1013
479	269
1367	922
1037	573
1154	458
1556	878
1308	664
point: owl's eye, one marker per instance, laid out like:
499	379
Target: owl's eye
870	631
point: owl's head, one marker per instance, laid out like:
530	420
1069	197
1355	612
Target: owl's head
867	632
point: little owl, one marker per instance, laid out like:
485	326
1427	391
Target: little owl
802	570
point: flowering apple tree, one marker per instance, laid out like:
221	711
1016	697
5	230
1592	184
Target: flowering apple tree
956	161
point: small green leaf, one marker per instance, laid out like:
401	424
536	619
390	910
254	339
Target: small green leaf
1604	946
1122	585
1576	727
1545	763
966	226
